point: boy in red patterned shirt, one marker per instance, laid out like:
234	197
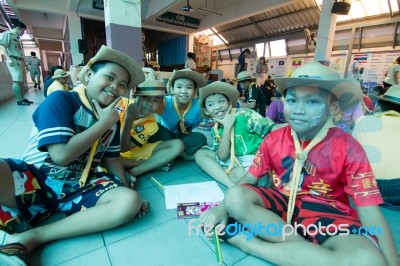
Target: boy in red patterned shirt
315	167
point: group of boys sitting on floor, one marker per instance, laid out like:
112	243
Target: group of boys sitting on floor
314	166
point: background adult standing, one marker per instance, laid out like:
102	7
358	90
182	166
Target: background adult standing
34	64
190	63
242	66
391	75
12	49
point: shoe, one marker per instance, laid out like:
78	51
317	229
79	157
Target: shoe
22	103
14	254
27	101
35	85
39	88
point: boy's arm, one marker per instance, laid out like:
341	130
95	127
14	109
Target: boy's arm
6	55
64	153
371	216
227	122
114	166
131	114
248	178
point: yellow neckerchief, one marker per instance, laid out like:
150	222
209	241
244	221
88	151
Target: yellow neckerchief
234	159
182	117
81	90
301	157
387	113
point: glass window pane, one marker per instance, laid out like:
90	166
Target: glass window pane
260	49
278	48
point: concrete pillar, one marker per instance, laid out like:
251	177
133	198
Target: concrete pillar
326	33
124	27
75	33
190	43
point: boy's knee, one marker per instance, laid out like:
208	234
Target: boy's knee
178	145
128	201
202	154
237	200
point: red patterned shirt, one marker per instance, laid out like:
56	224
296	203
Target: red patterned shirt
336	168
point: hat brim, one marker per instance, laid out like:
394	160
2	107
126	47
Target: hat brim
155	93
347	91
135	72
245	78
190	74
61	76
383	98
218	87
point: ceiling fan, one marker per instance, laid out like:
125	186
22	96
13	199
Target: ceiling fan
188	8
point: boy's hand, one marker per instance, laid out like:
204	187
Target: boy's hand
134	109
108	115
229	120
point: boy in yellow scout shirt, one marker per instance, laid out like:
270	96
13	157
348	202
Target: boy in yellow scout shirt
139	124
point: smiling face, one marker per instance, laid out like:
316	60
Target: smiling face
106	83
184	90
306	110
150	104
216	105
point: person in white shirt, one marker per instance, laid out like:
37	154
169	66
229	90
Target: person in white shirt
190	63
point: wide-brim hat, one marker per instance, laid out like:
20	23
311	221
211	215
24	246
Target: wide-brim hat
60	73
348	91
218	87
151	87
135	72
187	73
244	75
392	95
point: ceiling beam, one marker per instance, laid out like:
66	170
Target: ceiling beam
241	10
266	19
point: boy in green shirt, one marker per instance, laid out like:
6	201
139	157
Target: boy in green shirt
243	127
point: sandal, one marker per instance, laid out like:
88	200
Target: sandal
231	231
14	254
228	232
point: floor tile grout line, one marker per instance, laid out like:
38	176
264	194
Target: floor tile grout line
81	255
138	232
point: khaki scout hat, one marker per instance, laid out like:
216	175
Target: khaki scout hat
135	72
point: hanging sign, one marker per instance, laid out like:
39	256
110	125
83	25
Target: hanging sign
179	20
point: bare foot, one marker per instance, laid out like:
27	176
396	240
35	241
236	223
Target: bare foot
131	179
28	239
144	208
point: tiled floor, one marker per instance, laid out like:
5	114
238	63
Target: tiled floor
158	238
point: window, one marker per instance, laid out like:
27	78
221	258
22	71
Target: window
278	48
260	49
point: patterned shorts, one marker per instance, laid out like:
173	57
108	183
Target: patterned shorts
320	220
245	160
38	197
141	153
